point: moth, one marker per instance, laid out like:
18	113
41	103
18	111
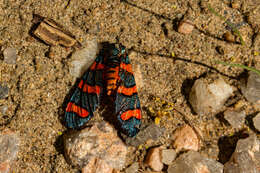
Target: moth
111	76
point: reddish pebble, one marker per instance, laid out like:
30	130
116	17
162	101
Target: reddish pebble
4	167
153	159
185	27
228	36
185	138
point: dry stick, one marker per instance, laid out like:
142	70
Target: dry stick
234	29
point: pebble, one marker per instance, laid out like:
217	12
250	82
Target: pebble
185	27
10	55
97	142
252	89
256	121
185	138
193	162
3	109
235	4
9	146
152	132
209	98
168	156
153	159
228	36
4	167
246	157
3	91
133	168
83	58
235	118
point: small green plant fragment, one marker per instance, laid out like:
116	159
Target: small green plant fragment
240	65
234	29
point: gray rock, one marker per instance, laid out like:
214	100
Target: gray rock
133	168
10	55
256	121
236	119
193	162
151	132
3	91
250	144
9	146
99	142
252	89
206	98
3	109
168	156
246	157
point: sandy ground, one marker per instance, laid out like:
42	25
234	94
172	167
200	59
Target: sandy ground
40	79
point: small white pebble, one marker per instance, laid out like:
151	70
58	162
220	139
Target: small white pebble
10	55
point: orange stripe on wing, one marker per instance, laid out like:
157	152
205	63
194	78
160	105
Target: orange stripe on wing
127	91
77	109
126	67
80	84
96	66
131	113
91	89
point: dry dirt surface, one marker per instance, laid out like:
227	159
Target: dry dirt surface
40	80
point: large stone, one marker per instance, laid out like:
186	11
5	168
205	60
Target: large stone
185	138
193	162
97	166
97	142
246	158
209	98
